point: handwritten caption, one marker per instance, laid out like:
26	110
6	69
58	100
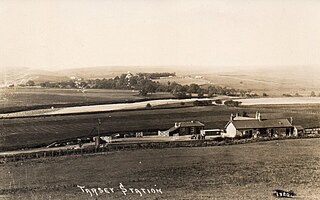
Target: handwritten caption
283	194
121	188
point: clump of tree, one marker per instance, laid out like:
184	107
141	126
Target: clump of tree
202	103
232	103
218	101
156	75
30	83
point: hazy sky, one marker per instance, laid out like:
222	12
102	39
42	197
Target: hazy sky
82	33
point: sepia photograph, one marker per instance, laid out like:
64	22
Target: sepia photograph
159	99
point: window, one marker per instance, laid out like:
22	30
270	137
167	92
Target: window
192	130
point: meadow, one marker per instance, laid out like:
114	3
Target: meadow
18	99
248	171
274	84
27	132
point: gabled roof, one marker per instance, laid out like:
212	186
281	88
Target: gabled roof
191	124
269	123
243	118
186	124
173	128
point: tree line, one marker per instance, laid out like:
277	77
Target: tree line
146	83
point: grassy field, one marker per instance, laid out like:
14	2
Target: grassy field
13	99
249	171
183	80
21	132
272	84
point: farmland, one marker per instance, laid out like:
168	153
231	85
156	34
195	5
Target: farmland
24	132
15	99
249	171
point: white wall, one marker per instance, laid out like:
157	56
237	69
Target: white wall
231	130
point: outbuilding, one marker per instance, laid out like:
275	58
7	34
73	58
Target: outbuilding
186	128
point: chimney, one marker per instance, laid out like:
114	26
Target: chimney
231	117
258	116
237	114
291	120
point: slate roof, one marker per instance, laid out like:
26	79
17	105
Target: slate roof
268	123
186	124
173	128
191	124
243	118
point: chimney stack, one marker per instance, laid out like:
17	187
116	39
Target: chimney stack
231	117
258	116
291	120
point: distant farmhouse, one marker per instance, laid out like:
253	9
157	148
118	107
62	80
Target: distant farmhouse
256	126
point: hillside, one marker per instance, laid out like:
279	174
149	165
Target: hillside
273	81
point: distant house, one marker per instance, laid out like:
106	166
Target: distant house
254	127
184	128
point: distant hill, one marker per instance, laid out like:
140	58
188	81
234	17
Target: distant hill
273	81
21	75
284	80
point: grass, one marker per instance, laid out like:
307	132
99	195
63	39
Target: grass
17	99
249	171
17	133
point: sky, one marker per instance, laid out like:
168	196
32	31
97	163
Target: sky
63	34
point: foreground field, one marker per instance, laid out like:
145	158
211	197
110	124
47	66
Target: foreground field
249	171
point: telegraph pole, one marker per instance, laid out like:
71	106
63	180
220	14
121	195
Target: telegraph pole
98	138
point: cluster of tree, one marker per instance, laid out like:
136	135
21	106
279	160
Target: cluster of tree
232	103
202	103
145	84
156	75
313	94
184	91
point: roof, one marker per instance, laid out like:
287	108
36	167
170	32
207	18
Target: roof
186	124
173	128
191	124
243	118
269	123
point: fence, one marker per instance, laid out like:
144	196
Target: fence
134	146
